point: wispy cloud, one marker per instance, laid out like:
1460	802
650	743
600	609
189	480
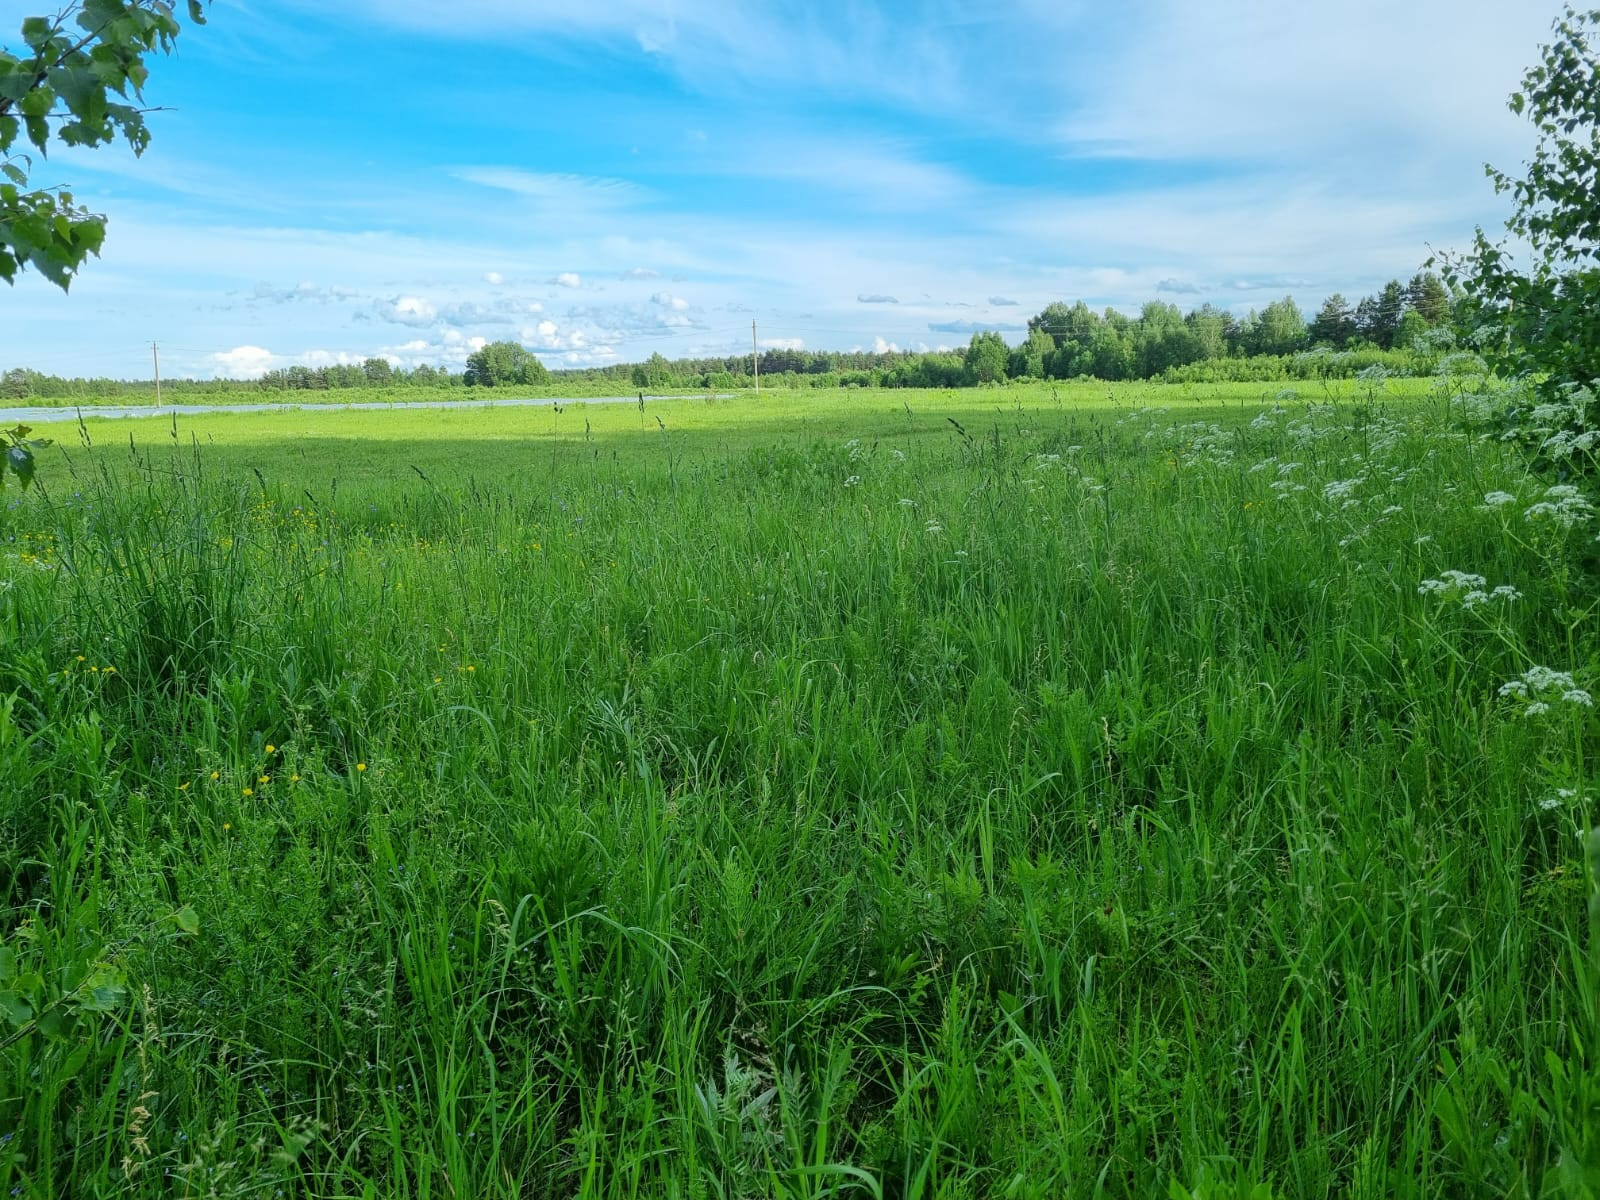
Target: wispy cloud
973	327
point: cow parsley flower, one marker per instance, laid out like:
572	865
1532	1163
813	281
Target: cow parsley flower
1562	504
1538	689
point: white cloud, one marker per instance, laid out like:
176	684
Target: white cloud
559	188
667	300
494	278
783	343
568	279
243	362
881	346
410	310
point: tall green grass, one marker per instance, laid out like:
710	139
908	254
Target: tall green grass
1047	802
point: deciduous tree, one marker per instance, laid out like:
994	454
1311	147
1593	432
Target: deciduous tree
78	80
1541	315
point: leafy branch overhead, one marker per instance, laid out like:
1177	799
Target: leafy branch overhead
77	79
1539	318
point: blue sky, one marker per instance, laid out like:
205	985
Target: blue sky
601	179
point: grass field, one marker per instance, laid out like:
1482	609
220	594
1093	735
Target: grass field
1010	794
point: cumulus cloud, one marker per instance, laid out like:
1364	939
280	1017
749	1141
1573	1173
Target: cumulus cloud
880	346
567	279
667	300
875	298
494	278
973	327
251	362
409	310
783	343
1002	302
243	362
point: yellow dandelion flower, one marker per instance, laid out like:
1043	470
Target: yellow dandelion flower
226	826
294	779
184	786
216	774
361	766
249	792
271	749
265	779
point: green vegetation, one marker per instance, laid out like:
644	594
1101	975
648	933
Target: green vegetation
83	69
993	794
1536	322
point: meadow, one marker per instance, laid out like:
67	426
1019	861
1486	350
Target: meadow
1140	791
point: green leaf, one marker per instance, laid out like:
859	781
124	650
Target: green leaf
8	964
82	90
36	31
38	131
14	1008
20	460
187	920
57	1024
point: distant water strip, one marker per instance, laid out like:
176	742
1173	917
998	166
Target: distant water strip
42	415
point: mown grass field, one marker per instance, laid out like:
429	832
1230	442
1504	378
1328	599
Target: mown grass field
1004	794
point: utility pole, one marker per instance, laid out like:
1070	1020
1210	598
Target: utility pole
155	357
755	356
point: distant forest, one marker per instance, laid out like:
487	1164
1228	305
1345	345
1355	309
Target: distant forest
1405	329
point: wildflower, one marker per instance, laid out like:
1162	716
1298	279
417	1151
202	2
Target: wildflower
294	779
184	786
853	481
271	749
1538	688
228	825
1342	489
265	779
1496	499
361	766
1452	581
934	527
216	775
248	792
907	503
1562	504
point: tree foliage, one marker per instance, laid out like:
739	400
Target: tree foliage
502	364
1539	319
78	80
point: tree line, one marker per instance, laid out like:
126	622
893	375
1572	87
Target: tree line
1403	328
